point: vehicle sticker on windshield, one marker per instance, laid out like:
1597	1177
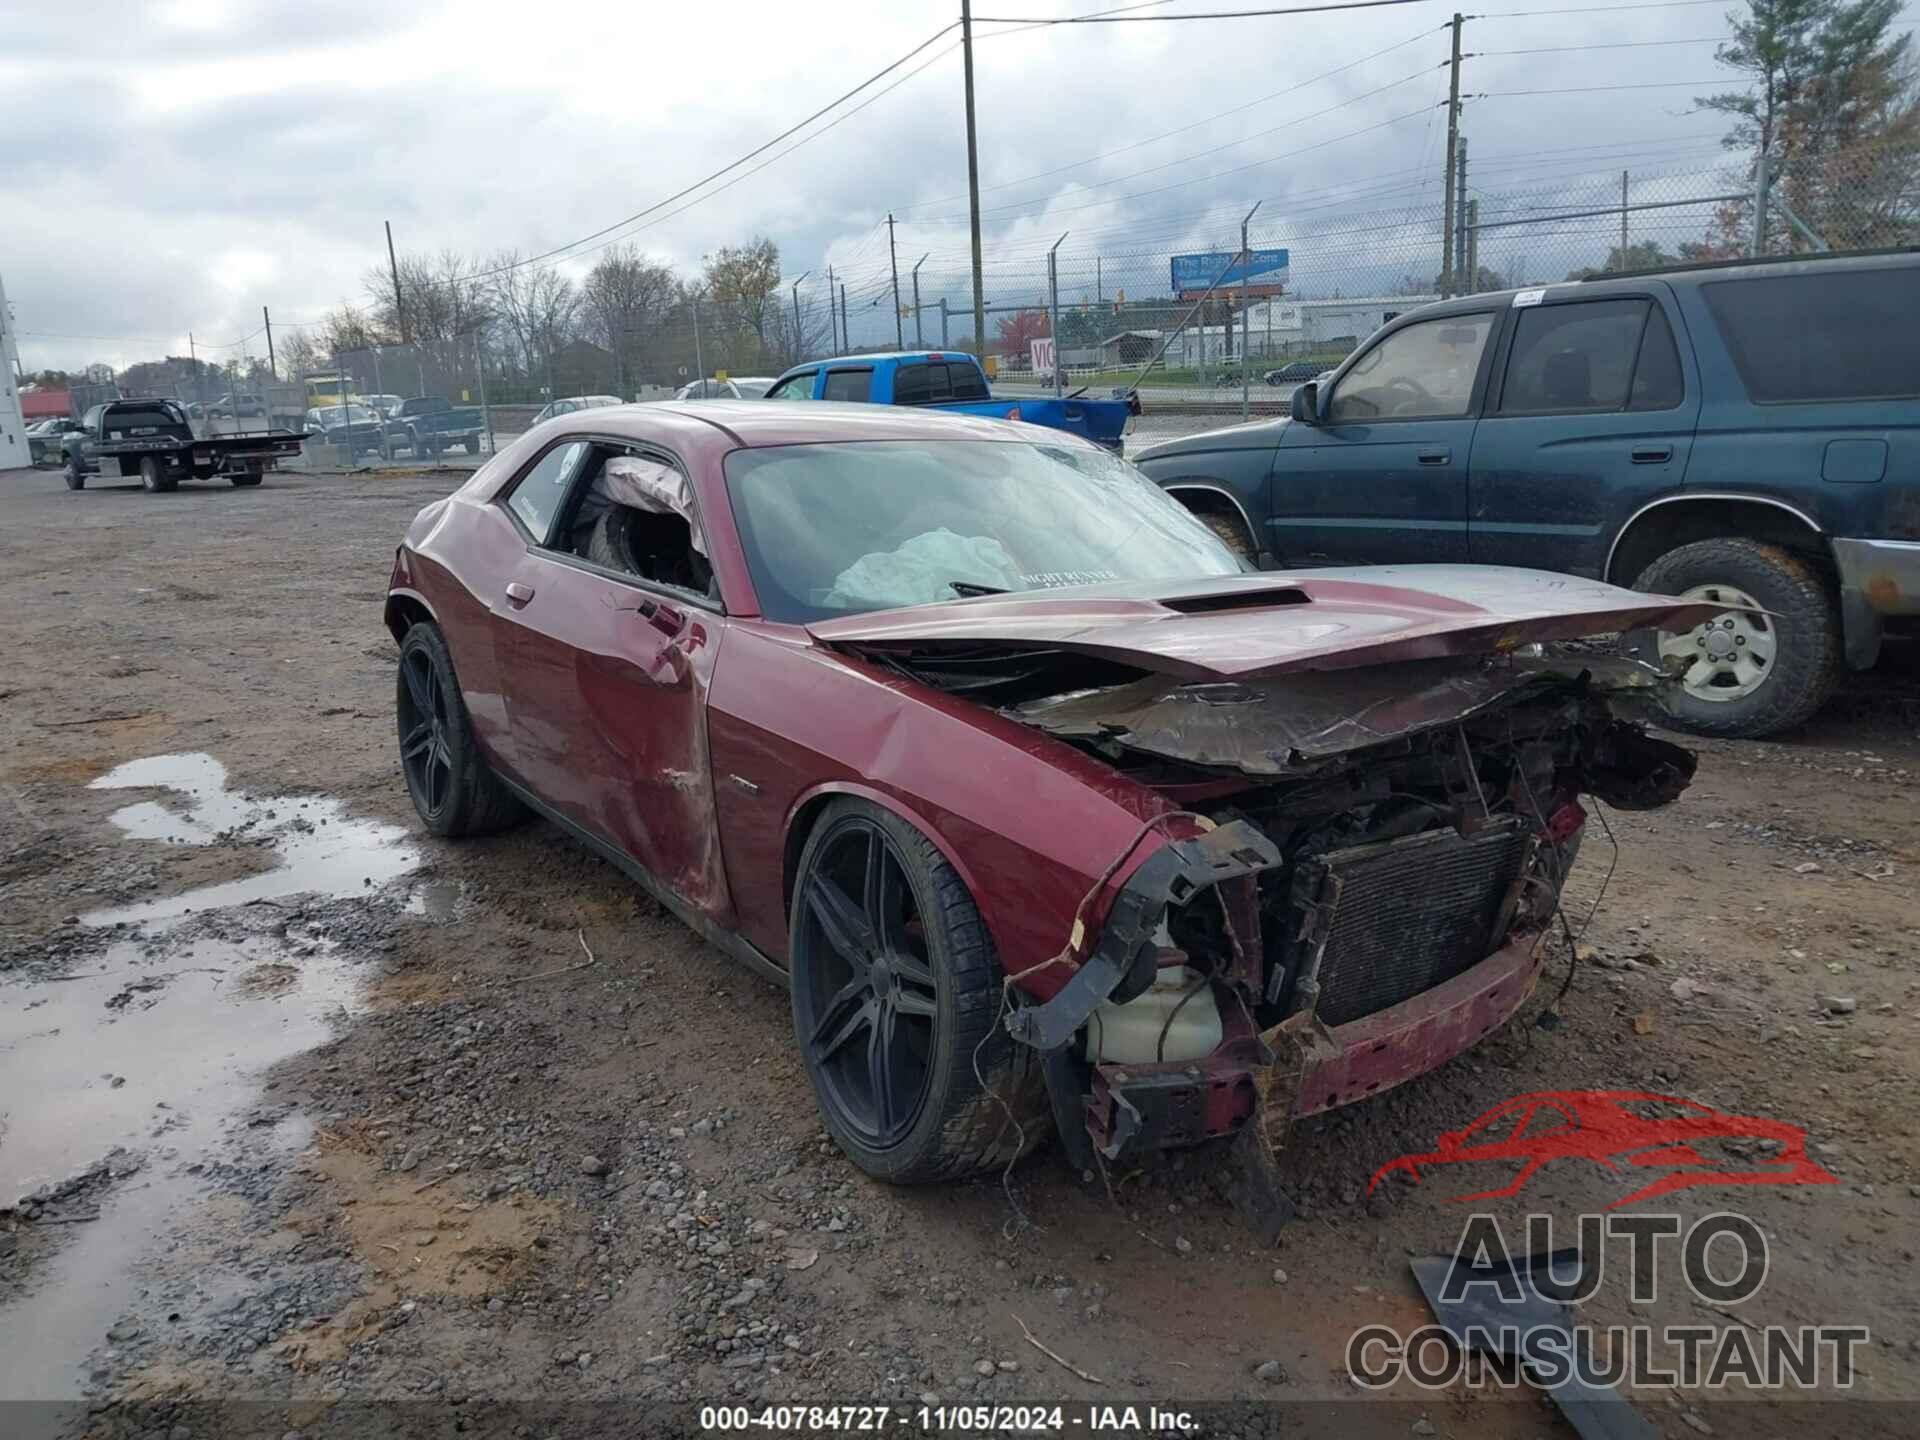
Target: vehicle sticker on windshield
1048	579
1528	297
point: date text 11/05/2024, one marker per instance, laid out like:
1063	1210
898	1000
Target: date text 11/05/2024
1083	1418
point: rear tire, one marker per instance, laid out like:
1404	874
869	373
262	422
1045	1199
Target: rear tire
76	476
154	478
454	790
920	1004
247	478
1802	637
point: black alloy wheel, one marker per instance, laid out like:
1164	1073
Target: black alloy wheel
454	790
867	1006
424	752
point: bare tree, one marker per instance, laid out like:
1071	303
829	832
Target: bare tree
624	304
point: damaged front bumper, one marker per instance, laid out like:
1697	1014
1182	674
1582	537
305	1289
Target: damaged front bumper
1301	1067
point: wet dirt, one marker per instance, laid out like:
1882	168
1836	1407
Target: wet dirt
603	1127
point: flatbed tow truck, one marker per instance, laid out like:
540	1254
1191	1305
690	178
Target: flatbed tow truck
154	440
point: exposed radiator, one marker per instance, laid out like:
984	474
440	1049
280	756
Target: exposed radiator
1401	916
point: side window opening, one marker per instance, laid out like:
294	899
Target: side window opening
537	498
848	385
1821	335
1657	381
1423	371
1573	358
635	515
794	387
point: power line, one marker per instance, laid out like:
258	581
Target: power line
1181	130
1111	18
1593	89
724	169
1609	45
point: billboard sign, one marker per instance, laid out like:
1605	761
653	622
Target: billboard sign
1192	274
1042	353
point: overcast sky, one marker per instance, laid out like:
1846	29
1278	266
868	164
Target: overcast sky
176	164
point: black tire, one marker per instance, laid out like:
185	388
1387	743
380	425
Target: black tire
935	994
154	477
76	476
1804	623
454	790
247	478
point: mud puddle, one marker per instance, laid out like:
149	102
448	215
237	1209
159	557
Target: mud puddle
153	1051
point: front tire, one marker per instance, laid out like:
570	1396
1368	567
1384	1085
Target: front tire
1747	673
76	476
897	995
454	790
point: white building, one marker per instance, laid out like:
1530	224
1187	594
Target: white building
13	439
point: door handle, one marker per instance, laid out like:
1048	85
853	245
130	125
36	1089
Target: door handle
1652	454
664	618
518	594
1435	457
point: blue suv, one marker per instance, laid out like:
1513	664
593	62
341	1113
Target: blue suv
1747	432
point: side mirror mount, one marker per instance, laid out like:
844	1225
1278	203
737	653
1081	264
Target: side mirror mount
1306	403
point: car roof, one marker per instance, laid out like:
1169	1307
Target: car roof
756	423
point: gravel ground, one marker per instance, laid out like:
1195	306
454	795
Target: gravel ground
301	1109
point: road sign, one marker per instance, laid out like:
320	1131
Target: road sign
1192	274
1042	353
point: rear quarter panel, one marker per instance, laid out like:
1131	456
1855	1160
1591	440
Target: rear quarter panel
1806	455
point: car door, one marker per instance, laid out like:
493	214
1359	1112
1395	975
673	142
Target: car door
1383	476
606	675
1591	415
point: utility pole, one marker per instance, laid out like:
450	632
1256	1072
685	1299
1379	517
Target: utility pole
893	259
1053	309
919	340
846	336
480	368
1623	219
833	326
399	313
973	181
1463	280
799	336
945	343
1099	291
699	362
272	368
1246	316
1453	141
1473	241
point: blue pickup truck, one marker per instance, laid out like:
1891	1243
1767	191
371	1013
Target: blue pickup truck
950	380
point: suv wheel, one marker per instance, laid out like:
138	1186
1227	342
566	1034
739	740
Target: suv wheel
1763	668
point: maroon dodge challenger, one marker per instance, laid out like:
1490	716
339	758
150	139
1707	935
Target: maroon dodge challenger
1049	813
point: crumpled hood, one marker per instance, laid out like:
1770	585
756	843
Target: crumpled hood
1241	626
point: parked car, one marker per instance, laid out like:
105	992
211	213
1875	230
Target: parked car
154	440
230	407
952	381
901	708
355	426
555	408
429	424
734	387
1735	431
44	439
387	405
1296	372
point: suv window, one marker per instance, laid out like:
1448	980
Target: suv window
794	387
536	499
1573	357
1421	372
848	384
1657	383
1821	336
